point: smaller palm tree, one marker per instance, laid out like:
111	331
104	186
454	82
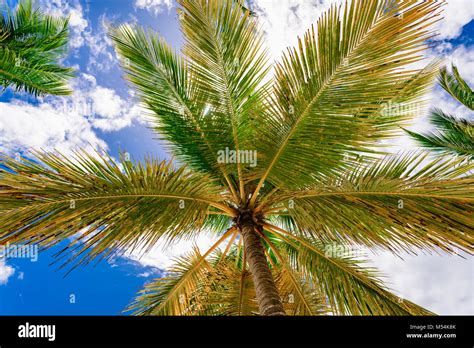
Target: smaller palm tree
31	43
451	135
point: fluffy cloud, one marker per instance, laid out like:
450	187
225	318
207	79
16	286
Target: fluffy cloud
457	13
103	107
24	126
162	256
284	20
102	56
5	272
66	123
154	6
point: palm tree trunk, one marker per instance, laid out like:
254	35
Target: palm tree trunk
268	298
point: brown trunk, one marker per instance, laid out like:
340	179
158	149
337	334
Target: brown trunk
268	298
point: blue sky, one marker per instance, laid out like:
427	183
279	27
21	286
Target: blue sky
116	122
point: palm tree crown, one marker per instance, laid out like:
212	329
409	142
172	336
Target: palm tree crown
30	45
285	171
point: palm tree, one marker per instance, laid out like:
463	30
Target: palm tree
286	172
451	135
31	43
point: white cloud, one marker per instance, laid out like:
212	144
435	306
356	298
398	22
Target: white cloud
284	20
24	126
463	58
154	6
5	272
457	13
162	256
102	56
440	283
107	102
66	123
103	107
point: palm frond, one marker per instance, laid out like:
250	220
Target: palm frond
455	85
175	293
394	203
331	90
299	297
31	43
221	285
228	288
35	75
245	8
349	288
223	46
103	206
162	79
450	136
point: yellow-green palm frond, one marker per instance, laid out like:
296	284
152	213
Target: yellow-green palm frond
455	85
299	295
31	44
245	8
349	288
103	206
405	202
334	91
175	294
450	136
222	285
227	289
162	79
172	294
224	49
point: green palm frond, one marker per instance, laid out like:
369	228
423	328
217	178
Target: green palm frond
221	285
299	296
224	48
455	85
395	203
115	206
349	288
450	136
31	43
227	288
175	293
162	80
331	90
